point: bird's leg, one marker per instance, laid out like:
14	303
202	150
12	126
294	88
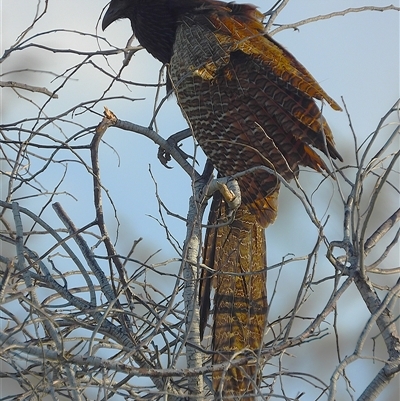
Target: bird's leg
227	187
204	180
206	175
165	156
230	191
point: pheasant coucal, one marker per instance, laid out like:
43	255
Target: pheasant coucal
250	104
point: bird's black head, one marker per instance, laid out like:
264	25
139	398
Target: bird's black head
153	22
118	9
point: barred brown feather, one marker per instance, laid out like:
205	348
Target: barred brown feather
240	301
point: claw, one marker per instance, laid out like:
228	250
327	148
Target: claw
164	155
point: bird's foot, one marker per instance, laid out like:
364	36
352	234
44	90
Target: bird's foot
164	154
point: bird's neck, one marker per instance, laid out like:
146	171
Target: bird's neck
155	25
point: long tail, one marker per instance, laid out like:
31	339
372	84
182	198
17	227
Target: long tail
237	254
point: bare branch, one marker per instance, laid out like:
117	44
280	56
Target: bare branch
31	88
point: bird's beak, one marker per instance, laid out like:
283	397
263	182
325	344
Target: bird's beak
110	16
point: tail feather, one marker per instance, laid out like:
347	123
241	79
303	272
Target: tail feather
237	253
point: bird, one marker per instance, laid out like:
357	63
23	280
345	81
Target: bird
252	108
